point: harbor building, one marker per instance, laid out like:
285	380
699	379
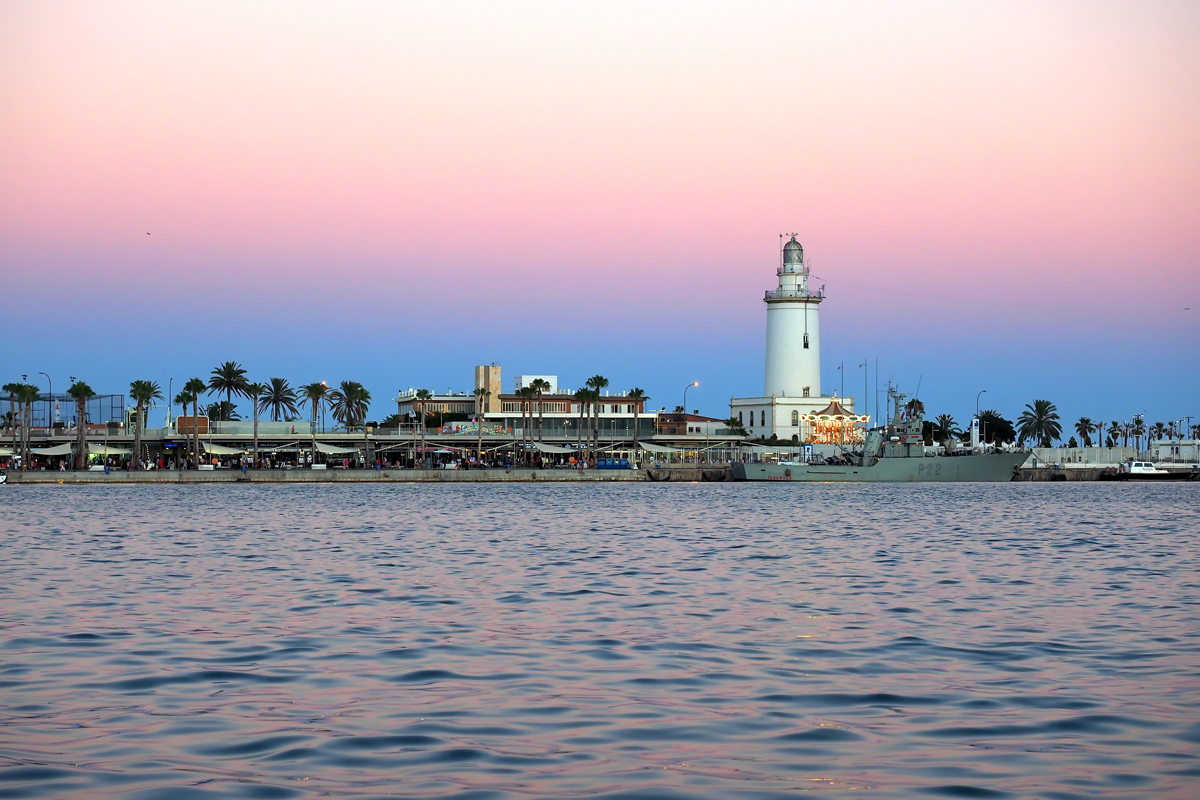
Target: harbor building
792	402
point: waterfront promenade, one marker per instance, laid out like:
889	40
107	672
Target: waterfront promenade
703	472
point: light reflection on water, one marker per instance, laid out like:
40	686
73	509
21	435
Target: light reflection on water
513	641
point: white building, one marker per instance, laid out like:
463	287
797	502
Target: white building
792	380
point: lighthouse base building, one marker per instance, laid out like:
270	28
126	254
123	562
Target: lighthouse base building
792	407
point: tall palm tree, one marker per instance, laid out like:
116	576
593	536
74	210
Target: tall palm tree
1039	423
638	396
349	404
523	394
539	385
422	396
29	395
253	392
1137	432
195	387
142	393
314	393
597	383
280	399
13	390
915	408
82	393
222	411
481	396
1085	428
1160	432
1114	430
947	428
183	399
229	378
1099	433
582	397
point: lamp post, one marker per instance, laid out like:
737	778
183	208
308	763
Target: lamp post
685	390
981	393
50	407
866	400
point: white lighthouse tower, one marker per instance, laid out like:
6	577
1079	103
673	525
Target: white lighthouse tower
793	330
792	384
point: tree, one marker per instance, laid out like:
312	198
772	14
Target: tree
1160	432
279	398
253	392
1085	428
27	396
195	387
639	397
1115	429
229	378
995	429
222	411
524	395
15	420
1072	442
1039	423
597	384
422	396
1099	433
349	404
538	386
314	393
183	399
734	424
81	392
142	393
915	408
1137	431
947	428
481	396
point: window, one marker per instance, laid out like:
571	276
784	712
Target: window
806	341
795	419
762	418
742	420
806	391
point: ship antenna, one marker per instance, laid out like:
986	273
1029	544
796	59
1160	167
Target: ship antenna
917	393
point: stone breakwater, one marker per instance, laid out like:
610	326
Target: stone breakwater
717	472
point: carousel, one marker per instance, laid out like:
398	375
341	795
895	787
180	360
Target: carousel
834	425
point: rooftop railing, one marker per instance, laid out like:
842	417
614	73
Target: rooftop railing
800	294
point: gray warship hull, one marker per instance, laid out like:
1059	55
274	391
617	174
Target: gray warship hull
990	468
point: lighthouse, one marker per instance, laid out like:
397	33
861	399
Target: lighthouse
793	329
791	406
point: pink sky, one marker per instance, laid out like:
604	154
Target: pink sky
1043	151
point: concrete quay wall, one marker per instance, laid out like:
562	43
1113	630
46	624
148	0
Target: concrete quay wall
522	475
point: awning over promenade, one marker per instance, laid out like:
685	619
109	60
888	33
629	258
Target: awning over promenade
107	450
553	448
334	450
57	450
222	450
658	448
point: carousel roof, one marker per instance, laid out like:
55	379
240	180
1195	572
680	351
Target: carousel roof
834	409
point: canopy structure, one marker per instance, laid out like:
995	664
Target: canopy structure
107	450
334	450
553	448
283	448
4	451
658	448
222	450
57	450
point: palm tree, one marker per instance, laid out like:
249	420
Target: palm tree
1085	428
523	396
582	397
29	395
538	385
597	383
1137	432
142	393
222	411
421	396
947	428
82	393
349	403
1160	432
1099	434
1114	430
14	389
229	378
194	388
253	392
280	399
638	396
915	408
314	393
183	399
1039	423
481	396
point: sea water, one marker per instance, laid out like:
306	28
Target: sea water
620	640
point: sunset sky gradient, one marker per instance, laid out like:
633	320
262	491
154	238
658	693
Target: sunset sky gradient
997	196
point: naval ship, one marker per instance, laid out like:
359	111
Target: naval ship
893	453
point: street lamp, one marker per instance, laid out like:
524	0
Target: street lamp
685	390
981	392
50	407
